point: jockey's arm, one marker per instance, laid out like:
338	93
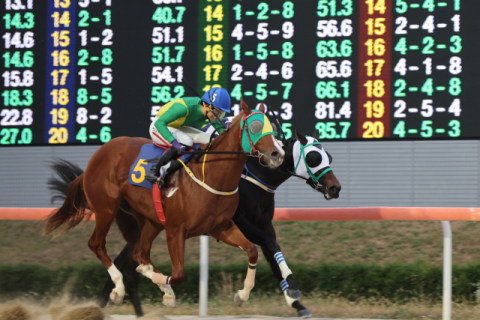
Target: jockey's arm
176	113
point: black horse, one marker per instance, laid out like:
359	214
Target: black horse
253	217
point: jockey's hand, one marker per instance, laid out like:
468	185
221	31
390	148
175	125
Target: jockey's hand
227	122
180	147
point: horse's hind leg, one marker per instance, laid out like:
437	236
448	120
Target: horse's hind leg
105	212
124	262
229	233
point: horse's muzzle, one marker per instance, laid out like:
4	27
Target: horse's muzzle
333	191
275	159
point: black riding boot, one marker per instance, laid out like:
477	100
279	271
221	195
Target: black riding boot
154	173
174	166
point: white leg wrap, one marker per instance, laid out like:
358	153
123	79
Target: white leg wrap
146	270
283	265
248	284
169	296
118	292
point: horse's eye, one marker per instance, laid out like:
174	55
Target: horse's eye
313	159
255	126
330	159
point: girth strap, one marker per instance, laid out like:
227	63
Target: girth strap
204	185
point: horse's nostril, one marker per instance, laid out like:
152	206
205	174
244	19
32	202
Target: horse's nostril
335	189
275	154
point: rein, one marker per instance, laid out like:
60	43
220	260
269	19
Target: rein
205	152
204	185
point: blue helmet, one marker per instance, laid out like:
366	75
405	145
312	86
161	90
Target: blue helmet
219	98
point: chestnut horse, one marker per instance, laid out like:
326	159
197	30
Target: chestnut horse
190	209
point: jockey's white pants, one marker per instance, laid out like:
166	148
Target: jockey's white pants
185	135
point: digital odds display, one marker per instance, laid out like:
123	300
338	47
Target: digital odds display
86	71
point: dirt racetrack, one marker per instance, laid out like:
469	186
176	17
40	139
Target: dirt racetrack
90	311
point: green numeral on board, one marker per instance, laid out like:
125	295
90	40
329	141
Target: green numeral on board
82	96
262	52
287	50
429	5
401	46
108	17
401	84
428	87
263	7
346	126
288	87
288	11
457	44
181	11
105	135
237	92
82	135
107	56
455	126
238	12
400	129
429	43
426	128
287	129
237	48
84	16
402	6
455	86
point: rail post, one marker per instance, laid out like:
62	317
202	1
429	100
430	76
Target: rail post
447	270
203	298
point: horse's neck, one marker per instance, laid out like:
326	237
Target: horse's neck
273	177
223	171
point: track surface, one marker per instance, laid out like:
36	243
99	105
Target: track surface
223	318
117	317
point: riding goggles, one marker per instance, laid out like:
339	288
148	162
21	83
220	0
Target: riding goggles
219	113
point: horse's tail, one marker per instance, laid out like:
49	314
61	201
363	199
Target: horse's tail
68	187
66	172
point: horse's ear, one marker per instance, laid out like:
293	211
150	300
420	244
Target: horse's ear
261	108
301	137
245	108
316	135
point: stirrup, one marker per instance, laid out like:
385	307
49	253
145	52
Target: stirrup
160	181
152	175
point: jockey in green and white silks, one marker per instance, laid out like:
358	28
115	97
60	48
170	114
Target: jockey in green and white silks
178	125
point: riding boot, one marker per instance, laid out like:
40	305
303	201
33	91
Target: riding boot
154	172
167	170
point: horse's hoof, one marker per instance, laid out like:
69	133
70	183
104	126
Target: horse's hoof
169	301
294	294
169	296
304	313
238	301
115	297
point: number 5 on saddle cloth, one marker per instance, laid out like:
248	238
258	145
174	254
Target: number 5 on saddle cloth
147	157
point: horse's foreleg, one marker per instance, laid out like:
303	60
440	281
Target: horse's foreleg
268	242
229	233
288	285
